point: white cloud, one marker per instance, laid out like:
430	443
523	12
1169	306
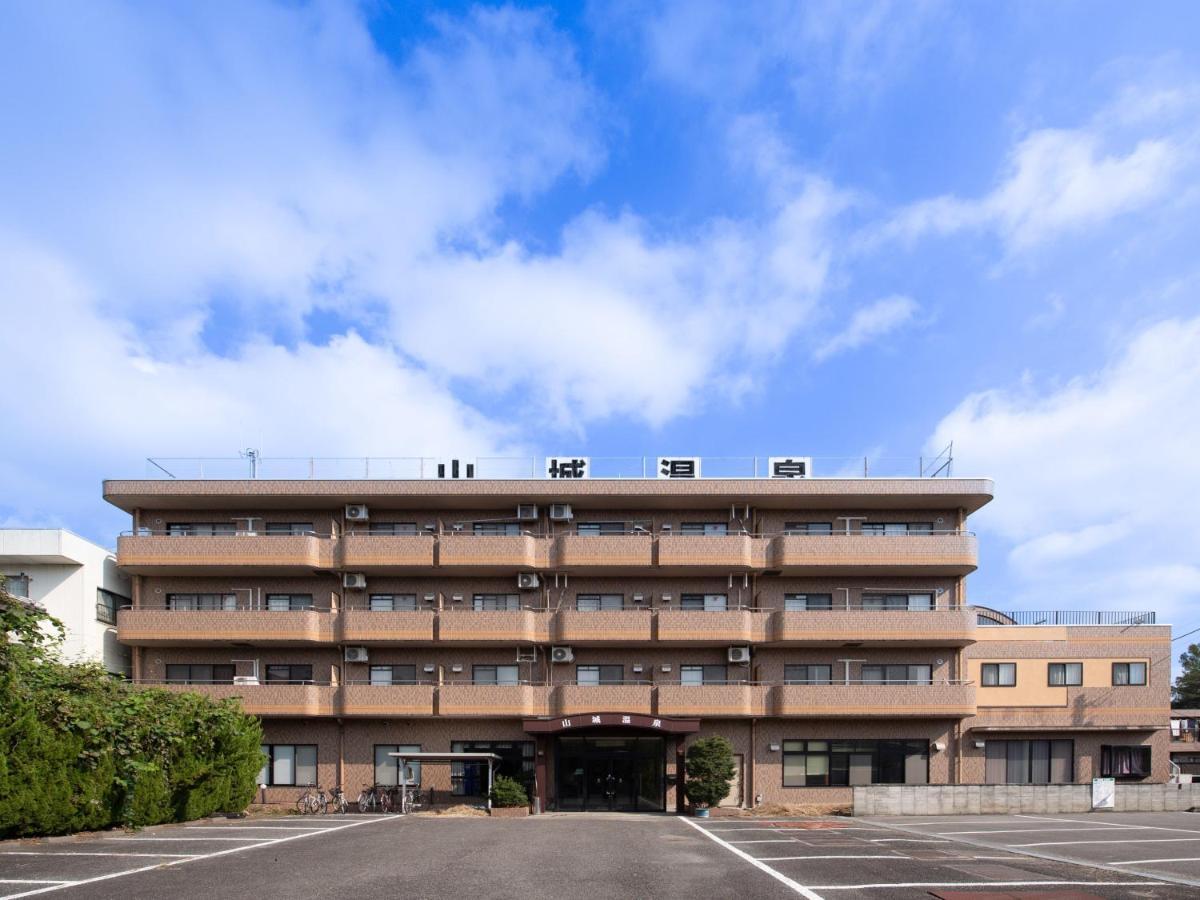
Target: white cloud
1095	479
868	324
1061	180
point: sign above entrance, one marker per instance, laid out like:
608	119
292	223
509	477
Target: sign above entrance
612	720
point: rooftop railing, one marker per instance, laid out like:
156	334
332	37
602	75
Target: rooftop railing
1065	617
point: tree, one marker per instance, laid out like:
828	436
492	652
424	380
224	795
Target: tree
507	792
1186	692
709	771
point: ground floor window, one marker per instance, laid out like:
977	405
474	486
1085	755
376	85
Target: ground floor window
1124	761
469	779
1030	762
387	767
289	764
822	763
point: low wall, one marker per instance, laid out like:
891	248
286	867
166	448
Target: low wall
968	799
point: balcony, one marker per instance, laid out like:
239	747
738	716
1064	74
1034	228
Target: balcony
156	626
490	553
939	553
487	626
387	700
874	627
364	626
949	699
700	553
268	699
603	626
385	553
493	700
604	553
709	700
577	699
738	626
1185	736
161	554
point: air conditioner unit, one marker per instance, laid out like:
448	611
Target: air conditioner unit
356	512
354	580
356	654
739	654
245	679
561	512
527	581
527	512
561	654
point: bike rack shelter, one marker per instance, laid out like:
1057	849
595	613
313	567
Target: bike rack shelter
405	758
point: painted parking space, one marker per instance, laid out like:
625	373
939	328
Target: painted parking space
871	859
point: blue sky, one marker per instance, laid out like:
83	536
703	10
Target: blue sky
828	228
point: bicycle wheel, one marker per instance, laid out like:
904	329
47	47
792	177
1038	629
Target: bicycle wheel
302	804
385	802
364	801
340	805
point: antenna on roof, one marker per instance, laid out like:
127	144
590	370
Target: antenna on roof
251	454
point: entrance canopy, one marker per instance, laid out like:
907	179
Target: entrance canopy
406	757
611	720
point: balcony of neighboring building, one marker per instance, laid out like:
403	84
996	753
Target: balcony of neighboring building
468	699
925	552
178	553
578	698
376	553
928	699
387	700
266	699
193	620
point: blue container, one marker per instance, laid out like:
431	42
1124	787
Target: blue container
702	812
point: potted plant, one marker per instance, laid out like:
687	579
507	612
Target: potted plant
709	771
509	797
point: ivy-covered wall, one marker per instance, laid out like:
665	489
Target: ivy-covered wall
81	750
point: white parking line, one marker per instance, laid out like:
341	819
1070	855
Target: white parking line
31	881
177	862
864	856
1098	823
768	841
1119	840
140	839
84	853
256	827
800	889
1036	830
908	841
948	884
1134	862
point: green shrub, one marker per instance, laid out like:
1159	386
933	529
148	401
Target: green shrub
709	771
81	750
508	792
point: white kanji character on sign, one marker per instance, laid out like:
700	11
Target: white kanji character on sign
657	723
566	723
595	720
626	720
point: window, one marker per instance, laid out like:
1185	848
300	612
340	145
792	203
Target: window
17	585
1070	674
702	675
393	602
289	764
1029	762
502	529
890	529
998	674
1124	761
470	778
199	673
912	602
494	602
393	675
201	601
387	767
279	528
107	604
1129	673
808	674
599	528
200	529
598	602
821	763
704	528
802	602
494	675
897	674
393	528
289	602
704	602
607	674
808	528
289	674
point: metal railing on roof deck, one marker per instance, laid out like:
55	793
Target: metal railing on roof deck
534	467
1065	617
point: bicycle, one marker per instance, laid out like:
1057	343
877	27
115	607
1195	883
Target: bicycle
338	800
412	802
308	802
374	797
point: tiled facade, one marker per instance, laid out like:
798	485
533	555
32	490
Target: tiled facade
801	734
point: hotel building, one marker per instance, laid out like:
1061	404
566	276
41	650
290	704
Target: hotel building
587	629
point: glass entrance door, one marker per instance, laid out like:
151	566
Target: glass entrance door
612	774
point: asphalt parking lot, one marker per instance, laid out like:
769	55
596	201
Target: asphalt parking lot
618	856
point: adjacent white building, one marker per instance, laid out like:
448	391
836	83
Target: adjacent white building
77	582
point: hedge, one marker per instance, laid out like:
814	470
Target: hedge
82	750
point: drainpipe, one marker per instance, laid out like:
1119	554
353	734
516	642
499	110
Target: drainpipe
748	793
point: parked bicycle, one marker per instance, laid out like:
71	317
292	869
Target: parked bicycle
337	799
374	797
412	801
311	802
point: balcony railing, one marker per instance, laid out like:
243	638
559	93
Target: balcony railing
1185	735
1061	617
149	626
949	698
